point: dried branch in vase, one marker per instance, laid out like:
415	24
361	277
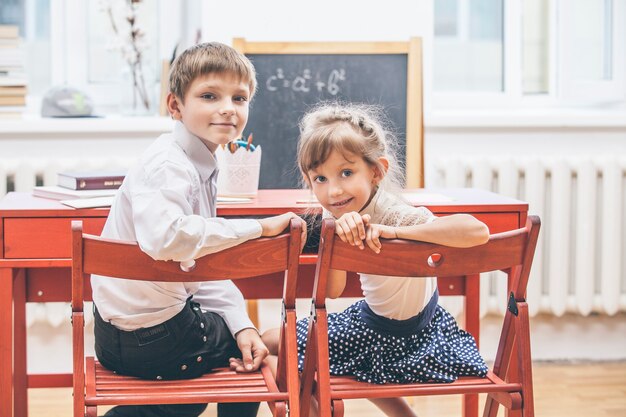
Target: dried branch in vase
131	41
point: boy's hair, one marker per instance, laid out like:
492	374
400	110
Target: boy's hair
358	129
210	58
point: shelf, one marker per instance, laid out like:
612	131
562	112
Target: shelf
32	124
525	118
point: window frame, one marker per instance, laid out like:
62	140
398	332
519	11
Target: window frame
573	90
560	80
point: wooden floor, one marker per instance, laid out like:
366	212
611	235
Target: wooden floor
572	390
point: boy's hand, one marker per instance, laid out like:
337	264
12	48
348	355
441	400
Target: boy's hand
272	226
350	228
375	232
253	351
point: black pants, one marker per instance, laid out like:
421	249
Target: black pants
186	346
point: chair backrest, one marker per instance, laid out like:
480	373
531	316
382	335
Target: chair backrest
121	259
504	251
259	258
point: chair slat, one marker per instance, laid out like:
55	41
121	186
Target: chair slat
195	397
250	259
411	259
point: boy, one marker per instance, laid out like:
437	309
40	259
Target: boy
157	330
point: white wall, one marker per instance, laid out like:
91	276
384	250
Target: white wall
575	134
322	20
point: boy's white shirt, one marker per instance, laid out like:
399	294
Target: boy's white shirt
167	204
395	298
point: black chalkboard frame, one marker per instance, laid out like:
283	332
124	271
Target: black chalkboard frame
415	111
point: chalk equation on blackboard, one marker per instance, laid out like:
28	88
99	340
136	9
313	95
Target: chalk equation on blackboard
303	83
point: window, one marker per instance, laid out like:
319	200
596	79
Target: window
468	45
495	52
71	42
109	52
536	47
592	50
12	13
90	52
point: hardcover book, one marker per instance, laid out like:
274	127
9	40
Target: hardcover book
59	193
91	180
9	31
94	202
12	100
106	201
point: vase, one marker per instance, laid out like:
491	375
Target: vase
137	92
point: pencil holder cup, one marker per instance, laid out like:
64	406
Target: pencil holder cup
239	172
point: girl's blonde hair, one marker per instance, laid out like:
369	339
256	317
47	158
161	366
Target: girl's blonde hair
358	129
210	58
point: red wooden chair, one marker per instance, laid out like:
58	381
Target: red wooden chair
275	258
511	252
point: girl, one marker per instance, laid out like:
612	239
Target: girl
398	333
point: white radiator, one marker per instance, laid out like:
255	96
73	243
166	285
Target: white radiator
22	174
578	266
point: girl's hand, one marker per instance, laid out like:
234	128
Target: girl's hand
375	232
350	228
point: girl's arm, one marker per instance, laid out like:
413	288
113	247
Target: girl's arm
336	283
457	230
350	228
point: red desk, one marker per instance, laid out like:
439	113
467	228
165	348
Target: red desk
35	264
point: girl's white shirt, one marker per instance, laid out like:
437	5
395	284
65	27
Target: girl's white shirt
395	298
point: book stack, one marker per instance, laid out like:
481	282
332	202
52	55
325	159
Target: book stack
96	189
12	75
83	189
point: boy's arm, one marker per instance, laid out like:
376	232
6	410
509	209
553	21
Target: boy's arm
166	226
225	299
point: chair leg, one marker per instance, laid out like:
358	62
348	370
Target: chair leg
307	381
321	358
290	359
503	358
338	409
470	405
280	409
92	411
491	407
522	329
515	339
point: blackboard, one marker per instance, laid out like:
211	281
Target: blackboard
294	77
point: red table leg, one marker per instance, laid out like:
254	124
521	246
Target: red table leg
6	341
20	377
472	325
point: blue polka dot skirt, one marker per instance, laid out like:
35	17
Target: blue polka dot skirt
437	352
